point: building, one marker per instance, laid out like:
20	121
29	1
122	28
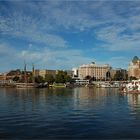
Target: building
75	72
93	70
134	68
2	76
113	73
13	73
121	74
36	73
43	73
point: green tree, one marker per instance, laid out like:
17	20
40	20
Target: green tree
59	78
68	78
118	76
62	77
39	79
31	78
49	78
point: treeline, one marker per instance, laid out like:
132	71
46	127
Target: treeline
60	77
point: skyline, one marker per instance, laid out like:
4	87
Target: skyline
66	34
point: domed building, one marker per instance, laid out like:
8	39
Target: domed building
134	68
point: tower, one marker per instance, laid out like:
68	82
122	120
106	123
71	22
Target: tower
25	74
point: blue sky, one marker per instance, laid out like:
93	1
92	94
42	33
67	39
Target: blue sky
65	34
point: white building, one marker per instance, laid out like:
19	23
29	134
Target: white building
93	70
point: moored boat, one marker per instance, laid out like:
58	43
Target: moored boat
107	85
131	87
58	85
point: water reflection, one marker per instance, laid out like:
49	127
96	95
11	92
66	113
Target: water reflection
68	113
133	99
84	98
134	104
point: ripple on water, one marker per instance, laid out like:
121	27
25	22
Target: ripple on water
68	113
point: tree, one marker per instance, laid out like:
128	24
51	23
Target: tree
62	77
118	76
59	78
49	78
68	78
16	78
87	77
31	78
94	78
108	75
39	79
132	78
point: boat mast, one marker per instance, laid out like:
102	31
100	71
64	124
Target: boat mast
33	73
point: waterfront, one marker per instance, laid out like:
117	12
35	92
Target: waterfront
68	113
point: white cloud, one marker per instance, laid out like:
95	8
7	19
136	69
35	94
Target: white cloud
55	59
117	40
47	22
26	27
44	58
50	59
5	50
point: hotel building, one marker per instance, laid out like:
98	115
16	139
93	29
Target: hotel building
93	70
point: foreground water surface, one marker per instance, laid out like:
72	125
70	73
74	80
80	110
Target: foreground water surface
68	113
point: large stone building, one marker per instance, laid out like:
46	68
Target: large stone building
134	68
93	70
43	73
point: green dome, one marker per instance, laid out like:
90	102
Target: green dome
135	59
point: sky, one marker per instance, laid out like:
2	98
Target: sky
65	34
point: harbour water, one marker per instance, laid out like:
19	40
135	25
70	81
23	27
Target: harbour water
68	113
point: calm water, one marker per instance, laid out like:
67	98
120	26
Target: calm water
68	113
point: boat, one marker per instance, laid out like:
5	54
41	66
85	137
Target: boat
42	85
131	87
58	85
25	83
89	85
107	85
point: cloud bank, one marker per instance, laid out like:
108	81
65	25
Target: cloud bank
54	30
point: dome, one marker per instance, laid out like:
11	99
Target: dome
135	59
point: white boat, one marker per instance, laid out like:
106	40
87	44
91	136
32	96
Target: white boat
131	87
107	85
25	85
